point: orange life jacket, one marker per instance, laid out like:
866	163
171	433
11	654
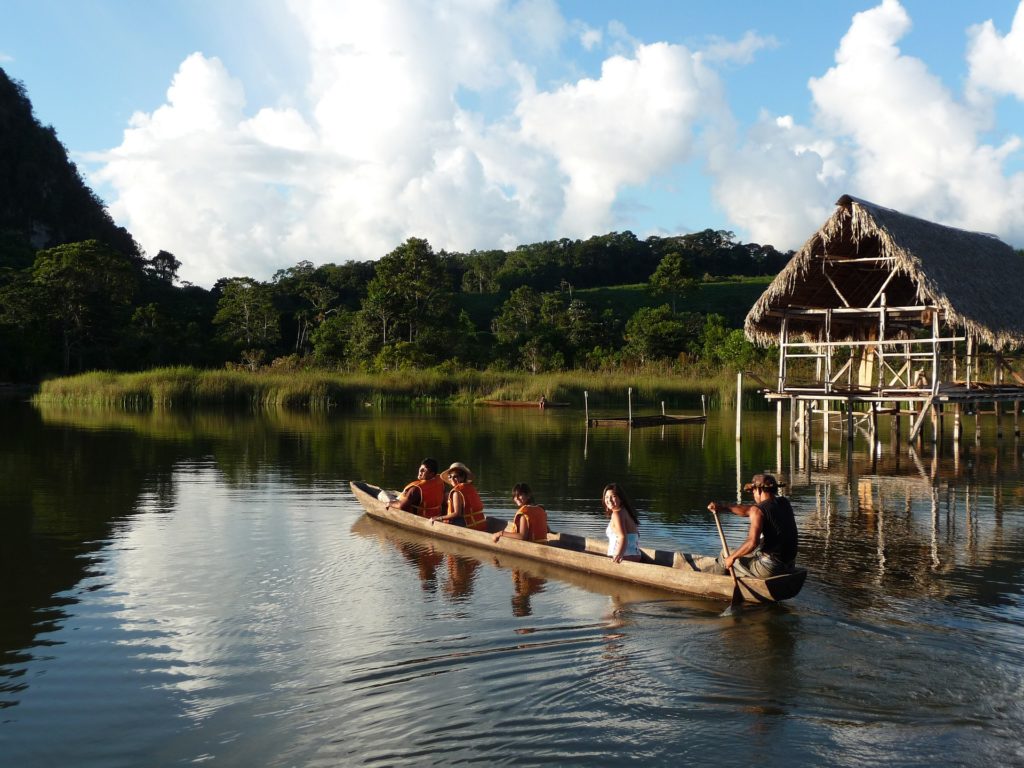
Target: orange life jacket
431	496
537	519
472	507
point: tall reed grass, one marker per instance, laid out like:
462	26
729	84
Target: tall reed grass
184	387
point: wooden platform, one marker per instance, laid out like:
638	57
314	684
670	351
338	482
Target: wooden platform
645	421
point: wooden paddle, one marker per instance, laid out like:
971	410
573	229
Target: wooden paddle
737	596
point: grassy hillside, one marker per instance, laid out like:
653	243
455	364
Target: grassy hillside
731	298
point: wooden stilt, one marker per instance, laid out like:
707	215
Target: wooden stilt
956	424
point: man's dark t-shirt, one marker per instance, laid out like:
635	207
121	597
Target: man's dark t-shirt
779	534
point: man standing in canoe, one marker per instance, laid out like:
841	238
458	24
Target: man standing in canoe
771	544
464	504
424	496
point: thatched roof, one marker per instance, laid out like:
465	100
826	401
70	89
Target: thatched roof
977	279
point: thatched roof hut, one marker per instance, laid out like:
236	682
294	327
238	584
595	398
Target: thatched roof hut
864	249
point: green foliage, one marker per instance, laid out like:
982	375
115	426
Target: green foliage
673	278
246	315
83	287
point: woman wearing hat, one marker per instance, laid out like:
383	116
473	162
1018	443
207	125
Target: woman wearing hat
464	504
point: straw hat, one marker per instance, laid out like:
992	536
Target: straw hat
447	474
766	483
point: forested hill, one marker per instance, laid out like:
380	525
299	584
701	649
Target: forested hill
43	200
76	293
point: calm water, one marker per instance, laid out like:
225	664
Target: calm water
203	588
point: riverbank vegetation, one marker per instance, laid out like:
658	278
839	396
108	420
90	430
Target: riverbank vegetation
315	389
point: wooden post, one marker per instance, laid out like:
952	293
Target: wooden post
935	422
629	398
999	418
778	418
1016	418
586	406
969	358
956	424
825	436
662	407
896	426
792	419
739	405
849	421
874	425
703	407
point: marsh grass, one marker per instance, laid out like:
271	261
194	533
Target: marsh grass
183	387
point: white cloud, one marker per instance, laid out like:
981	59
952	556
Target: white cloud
379	149
441	120
996	63
633	122
741	51
885	129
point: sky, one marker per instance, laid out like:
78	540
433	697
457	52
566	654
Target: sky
245	136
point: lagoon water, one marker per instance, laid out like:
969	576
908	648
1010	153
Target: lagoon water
202	587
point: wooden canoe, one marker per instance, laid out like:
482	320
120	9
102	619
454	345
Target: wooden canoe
661	569
522	404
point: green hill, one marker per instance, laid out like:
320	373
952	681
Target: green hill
731	297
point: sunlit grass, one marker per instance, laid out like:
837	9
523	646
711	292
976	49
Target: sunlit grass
180	387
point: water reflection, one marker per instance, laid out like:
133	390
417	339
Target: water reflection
526	585
210	571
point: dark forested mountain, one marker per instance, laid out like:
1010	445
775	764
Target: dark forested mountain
43	200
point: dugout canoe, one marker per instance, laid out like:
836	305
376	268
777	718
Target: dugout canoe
522	404
673	571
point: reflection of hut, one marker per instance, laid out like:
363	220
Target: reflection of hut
883	308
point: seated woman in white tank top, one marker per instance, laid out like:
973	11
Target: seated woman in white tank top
623	529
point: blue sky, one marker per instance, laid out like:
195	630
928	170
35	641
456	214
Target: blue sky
246	135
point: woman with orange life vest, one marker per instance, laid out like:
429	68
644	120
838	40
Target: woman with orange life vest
530	522
464	504
424	496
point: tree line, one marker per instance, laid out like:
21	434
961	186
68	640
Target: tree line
89	305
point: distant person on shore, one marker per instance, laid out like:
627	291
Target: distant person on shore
623	529
464	504
424	496
530	522
543	402
772	539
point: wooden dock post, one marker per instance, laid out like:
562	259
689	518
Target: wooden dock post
586	406
629	398
662	407
956	424
739	405
849	421
792	419
778	418
1016	418
999	419
703	407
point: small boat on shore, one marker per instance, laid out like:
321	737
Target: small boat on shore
522	404
662	569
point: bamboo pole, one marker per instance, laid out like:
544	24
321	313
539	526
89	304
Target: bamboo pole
739	405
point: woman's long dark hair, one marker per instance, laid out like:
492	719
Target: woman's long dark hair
623	499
